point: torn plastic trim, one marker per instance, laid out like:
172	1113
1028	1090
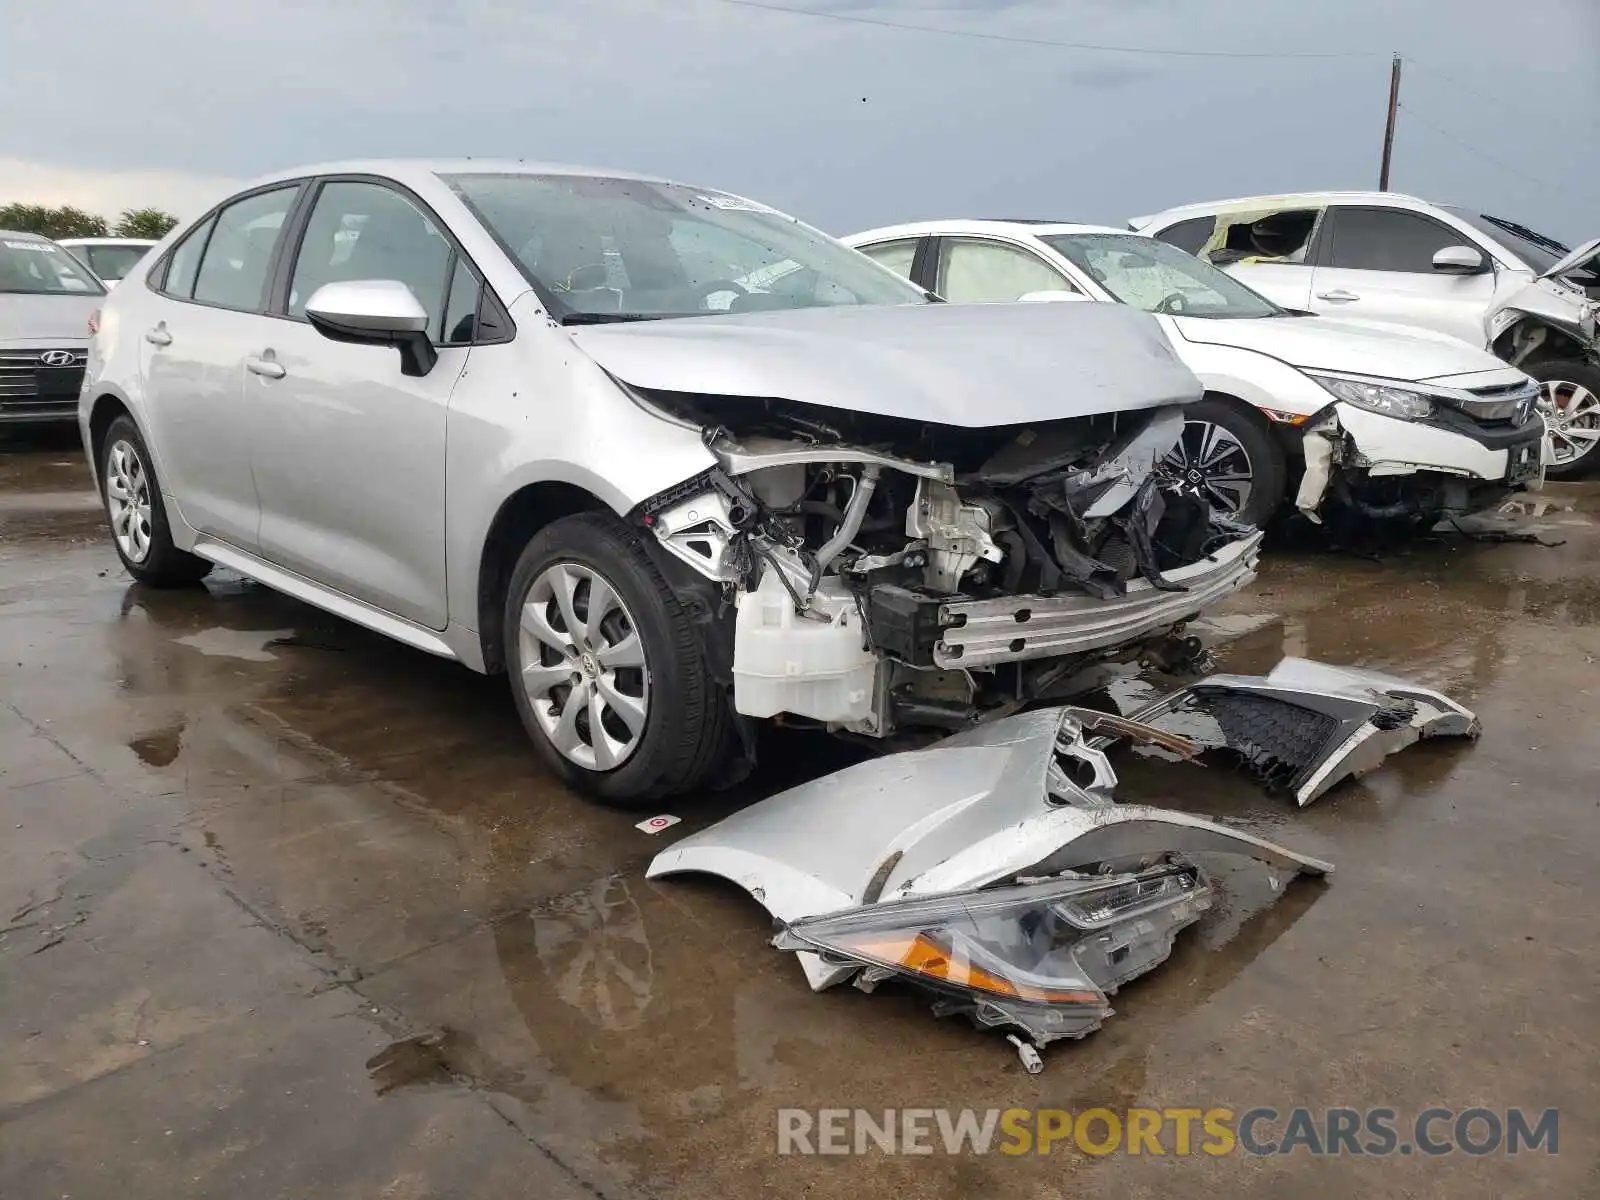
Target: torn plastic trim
1306	726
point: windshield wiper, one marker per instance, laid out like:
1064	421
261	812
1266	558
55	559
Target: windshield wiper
1522	231
607	318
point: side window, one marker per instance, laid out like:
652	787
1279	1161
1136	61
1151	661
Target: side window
461	307
1387	239
897	256
233	272
1189	235
185	261
1276	237
972	272
369	231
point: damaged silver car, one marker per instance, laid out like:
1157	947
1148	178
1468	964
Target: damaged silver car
670	459
996	871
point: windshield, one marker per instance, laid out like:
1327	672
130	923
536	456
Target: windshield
1159	278
44	269
113	262
1533	248
599	249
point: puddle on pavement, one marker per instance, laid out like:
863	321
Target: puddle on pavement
159	749
248	645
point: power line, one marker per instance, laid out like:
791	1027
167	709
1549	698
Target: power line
1497	101
1483	154
1018	40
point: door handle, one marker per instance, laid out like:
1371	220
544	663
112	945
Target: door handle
158	336
1338	296
265	367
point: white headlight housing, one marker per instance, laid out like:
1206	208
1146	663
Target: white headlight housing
1392	398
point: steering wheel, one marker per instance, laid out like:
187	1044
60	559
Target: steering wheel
705	291
1173	304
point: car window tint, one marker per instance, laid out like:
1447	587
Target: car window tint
897	256
461	307
368	231
972	272
1189	235
1377	239
114	262
233	272
185	260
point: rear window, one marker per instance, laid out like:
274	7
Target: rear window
39	268
113	262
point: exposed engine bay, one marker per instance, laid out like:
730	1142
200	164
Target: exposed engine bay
889	574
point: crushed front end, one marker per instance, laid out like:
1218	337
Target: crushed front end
887	575
1392	451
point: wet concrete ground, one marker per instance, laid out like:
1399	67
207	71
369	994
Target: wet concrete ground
290	910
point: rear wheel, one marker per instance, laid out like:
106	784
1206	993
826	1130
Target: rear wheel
1571	406
606	667
1228	458
138	516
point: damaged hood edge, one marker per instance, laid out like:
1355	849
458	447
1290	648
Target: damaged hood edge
972	366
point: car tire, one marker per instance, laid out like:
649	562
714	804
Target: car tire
1572	406
1223	440
684	734
137	514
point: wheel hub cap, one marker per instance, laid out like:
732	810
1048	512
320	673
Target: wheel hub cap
1211	463
582	666
128	500
1572	415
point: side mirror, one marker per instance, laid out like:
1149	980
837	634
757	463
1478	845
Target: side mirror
1459	260
375	312
1049	296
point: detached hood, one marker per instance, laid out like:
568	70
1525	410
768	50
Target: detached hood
967	365
57	319
1339	344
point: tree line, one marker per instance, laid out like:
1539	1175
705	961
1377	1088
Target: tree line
69	222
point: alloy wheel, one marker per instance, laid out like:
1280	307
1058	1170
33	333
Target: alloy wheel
1210	462
128	500
582	666
1572	414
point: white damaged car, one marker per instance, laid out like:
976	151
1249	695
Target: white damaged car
1390	423
529	418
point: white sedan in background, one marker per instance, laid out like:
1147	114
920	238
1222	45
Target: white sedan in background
1389	423
111	258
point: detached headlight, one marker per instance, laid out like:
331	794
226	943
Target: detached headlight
1379	396
1040	955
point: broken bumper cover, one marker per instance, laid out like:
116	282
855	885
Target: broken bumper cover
1307	725
992	870
979	633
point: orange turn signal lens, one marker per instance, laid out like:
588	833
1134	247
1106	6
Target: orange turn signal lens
920	954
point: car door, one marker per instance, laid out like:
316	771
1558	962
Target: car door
349	454
1377	264
974	270
205	316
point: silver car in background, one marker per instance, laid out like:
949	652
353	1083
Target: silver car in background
670	459
46	301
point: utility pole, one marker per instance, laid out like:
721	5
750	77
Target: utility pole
1388	129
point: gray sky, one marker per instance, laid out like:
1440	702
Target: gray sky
844	123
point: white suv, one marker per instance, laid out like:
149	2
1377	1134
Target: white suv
1383	256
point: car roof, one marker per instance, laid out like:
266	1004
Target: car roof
413	170
105	241
970	225
1280	200
18	235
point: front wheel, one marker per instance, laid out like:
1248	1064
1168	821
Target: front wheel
138	515
606	667
1228	458
1571	406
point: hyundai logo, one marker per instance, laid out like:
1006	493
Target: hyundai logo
56	358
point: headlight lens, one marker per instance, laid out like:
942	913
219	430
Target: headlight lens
1376	395
1062	943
